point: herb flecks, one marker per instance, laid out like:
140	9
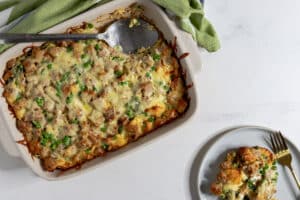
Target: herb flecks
151	119
69	99
40	101
36	124
46	137
118	73
156	57
105	146
67	140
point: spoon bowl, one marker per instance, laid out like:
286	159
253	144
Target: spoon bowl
130	34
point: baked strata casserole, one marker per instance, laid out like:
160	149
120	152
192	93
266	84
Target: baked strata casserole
76	100
249	173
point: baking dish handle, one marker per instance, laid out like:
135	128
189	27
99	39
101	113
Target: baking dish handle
6	140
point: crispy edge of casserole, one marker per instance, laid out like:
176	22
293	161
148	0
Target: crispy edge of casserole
34	138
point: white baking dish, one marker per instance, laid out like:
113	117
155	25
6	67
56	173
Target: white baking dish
9	134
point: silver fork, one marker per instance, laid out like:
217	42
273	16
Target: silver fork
282	153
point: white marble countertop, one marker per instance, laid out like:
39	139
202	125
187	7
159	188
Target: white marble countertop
253	79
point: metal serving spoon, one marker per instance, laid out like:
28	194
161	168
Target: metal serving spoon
130	36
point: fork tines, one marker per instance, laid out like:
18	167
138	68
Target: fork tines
278	142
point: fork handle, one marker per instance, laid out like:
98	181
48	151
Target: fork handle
295	176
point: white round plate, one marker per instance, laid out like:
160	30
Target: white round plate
246	136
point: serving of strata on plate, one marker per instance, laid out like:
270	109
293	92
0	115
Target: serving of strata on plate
247	173
77	100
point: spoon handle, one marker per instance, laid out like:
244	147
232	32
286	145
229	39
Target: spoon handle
20	37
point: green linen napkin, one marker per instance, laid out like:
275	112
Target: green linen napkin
24	7
47	13
192	20
50	13
7	4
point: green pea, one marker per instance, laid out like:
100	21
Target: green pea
54	145
130	114
148	75
103	128
156	57
18	69
49	66
69	99
97	47
67	140
69	49
88	151
120	129
43	141
58	89
82	87
83	56
90	25
36	124
75	121
65	76
151	119
19	96
145	113
40	101
118	73
46	137
117	58
87	64
251	185
166	88
105	146
122	83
